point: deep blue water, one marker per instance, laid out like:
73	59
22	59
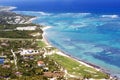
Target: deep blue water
62	6
89	37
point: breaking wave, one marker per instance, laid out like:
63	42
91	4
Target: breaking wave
110	16
36	13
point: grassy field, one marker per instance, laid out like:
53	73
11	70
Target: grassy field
75	68
41	43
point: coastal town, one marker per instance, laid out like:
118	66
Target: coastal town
25	53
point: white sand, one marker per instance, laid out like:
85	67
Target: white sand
44	38
45	28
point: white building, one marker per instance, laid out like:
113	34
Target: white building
29	28
28	52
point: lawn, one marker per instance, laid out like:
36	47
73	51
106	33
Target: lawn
75	68
41	44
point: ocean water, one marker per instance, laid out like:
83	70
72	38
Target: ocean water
93	38
60	6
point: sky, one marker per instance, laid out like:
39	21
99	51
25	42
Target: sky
65	5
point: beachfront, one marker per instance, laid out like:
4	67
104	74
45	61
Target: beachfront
62	57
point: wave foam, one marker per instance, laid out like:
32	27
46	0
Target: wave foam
41	13
110	16
44	14
73	14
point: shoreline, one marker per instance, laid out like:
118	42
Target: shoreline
43	35
45	28
62	53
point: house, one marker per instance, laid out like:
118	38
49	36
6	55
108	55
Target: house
28	52
40	63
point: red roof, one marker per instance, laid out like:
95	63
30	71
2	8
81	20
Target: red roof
40	62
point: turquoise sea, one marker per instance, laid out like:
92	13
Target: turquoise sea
93	38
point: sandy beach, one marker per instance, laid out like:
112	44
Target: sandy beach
44	35
45	28
59	52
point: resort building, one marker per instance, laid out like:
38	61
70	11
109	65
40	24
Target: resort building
28	52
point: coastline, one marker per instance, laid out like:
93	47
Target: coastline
62	53
43	35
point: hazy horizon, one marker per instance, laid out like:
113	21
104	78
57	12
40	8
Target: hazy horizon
97	6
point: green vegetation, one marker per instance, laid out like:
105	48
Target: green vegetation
27	65
41	44
8	31
18	34
77	69
14	26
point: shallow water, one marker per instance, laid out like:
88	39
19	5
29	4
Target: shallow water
89	37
